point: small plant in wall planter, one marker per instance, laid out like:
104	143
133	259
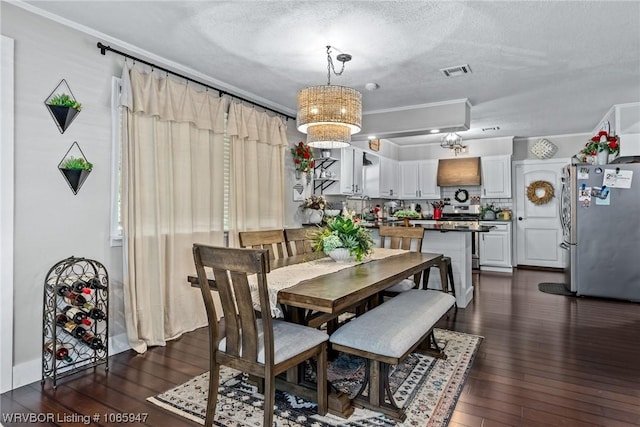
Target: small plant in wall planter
75	169
62	106
76	164
65	100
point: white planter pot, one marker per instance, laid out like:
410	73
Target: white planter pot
341	255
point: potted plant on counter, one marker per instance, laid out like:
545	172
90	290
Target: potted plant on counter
488	211
313	209
406	215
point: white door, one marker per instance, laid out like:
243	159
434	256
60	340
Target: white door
538	228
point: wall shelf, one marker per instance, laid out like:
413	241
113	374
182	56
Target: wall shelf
322	184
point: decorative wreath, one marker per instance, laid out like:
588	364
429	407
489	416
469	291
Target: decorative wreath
462	195
532	191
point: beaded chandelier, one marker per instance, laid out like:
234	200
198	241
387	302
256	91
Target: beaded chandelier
328	114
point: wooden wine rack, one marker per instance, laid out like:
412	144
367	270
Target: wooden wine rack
67	272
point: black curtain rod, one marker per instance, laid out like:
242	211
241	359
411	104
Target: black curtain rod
104	49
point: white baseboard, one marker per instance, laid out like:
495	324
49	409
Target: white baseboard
496	269
31	371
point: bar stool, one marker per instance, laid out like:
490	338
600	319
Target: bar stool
449	287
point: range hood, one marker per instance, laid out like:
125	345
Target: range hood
458	172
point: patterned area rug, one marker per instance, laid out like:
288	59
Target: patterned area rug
427	387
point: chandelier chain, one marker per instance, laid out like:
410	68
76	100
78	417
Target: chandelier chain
330	66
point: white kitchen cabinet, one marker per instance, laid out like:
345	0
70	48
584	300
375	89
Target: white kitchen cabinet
346	171
349	173
496	177
495	247
418	179
388	178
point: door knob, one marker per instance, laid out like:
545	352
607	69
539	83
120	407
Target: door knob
520	218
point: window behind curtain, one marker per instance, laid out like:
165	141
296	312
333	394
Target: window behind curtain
116	167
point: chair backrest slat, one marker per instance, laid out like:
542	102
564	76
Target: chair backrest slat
271	240
299	240
231	268
401	237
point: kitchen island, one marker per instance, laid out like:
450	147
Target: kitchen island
453	241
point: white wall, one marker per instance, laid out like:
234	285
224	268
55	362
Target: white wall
6	214
475	148
568	145
51	223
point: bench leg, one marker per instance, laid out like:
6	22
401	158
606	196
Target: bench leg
380	398
430	346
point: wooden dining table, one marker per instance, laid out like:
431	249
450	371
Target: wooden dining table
318	300
323	298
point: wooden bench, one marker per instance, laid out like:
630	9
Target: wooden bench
386	335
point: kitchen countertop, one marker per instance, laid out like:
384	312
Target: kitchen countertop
434	227
476	228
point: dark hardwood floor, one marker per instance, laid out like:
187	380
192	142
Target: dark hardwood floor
545	360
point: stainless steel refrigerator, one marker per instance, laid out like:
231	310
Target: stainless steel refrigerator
601	228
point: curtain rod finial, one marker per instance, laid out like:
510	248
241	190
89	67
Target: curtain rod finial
103	48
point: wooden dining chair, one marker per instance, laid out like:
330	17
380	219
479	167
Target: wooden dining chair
401	238
299	240
260	346
271	240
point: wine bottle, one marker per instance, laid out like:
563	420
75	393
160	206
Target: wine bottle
77	315
80	286
94	312
95	283
92	341
71	297
72	328
61	352
61	319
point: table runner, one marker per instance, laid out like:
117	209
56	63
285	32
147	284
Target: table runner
291	275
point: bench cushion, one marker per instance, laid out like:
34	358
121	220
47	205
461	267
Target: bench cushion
394	326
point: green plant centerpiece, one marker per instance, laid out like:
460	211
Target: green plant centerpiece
344	232
405	213
75	163
64	100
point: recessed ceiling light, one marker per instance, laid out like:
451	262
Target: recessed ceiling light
434	130
371	86
371	137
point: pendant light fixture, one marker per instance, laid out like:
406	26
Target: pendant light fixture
453	141
328	114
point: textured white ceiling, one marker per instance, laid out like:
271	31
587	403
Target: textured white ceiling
539	67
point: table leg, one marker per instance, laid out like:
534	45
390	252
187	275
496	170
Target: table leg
443	275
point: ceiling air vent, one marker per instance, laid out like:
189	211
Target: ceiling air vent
458	70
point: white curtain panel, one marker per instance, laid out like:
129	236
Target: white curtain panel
172	197
258	142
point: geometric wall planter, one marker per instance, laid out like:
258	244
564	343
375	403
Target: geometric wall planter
75	178
62	106
75	168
